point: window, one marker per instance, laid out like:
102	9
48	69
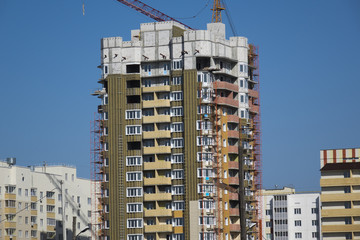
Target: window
106	116
134	192
315	234
204	157
177	127
166	68
107	224
50	195
348	236
297	223
134	237
33	206
51	222
177	158
315	222
133	130
19	191
50	208
204	141
176	111
179	236
178	205
204	109
314	210
133	176
177	190
106	177
106	208
26	234
133	161
207	236
347	205
347	189
177	64
205	172
106	162
206	188
133	114
135	223
148	112
134	207
347	174
203	125
298	235
176	81
176	96
297	210
177	174
177	142
178	222
147	69
348	220
206	204
10	189
89	201
207	220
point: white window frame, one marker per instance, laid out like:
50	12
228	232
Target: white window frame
177	174
177	64
138	192
175	190
176	111
177	127
138	173
133	130
177	158
135	112
138	223
177	143
177	80
135	237
176	96
138	206
133	160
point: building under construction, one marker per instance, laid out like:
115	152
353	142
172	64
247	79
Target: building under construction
177	148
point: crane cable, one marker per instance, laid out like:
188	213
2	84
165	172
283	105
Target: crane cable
198	13
227	12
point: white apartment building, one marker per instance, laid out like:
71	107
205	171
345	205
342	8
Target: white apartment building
288	216
34	199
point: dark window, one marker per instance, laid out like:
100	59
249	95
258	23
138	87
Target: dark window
134	145
133	84
133	68
133	99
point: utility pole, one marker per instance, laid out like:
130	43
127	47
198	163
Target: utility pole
63	210
74	228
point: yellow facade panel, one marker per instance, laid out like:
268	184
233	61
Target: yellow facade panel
50	215
158	228
10	224
165	88
340	228
339	182
158	212
178	230
340	197
10	196
157	165
158	197
154	150
157	181
340	212
34	198
156	119
156	103
50	201
9	210
178	214
156	134
33	212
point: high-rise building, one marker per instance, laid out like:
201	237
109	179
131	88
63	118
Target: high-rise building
177	148
36	202
340	193
288	215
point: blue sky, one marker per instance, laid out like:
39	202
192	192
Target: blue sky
309	73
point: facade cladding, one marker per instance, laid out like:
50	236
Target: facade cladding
340	193
179	115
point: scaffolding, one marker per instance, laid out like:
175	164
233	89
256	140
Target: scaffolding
253	62
96	173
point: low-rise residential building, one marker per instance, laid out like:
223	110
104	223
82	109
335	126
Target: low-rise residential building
36	201
288	215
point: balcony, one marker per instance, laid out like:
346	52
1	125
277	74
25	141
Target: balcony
10	224
158	197
254	108
332	182
158	228
233	134
340	228
254	94
234	180
234	227
165	88
227	101
156	103
233	118
157	165
233	165
234	212
10	196
233	149
50	201
157	150
340	212
133	91
156	134
157	181
233	196
340	197
156	119
226	85
158	213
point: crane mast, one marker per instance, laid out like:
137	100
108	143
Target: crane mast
216	11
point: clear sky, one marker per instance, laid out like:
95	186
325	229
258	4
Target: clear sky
309	73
